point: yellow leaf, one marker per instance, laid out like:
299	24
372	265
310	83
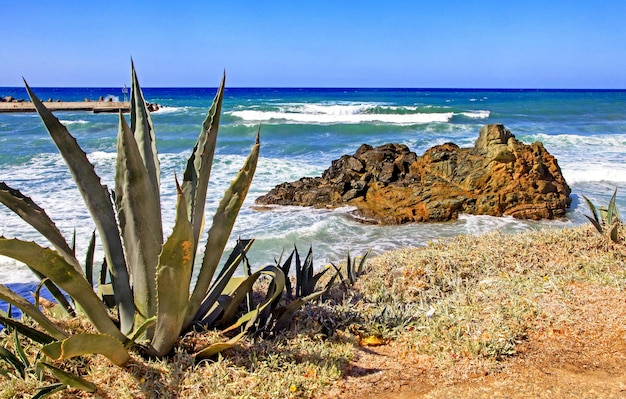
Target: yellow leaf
371	340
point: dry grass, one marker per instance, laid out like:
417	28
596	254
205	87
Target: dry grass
455	309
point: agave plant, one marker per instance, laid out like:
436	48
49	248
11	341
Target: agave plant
353	270
150	278
605	219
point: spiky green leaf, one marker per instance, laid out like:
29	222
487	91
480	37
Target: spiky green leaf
100	207
143	129
286	315
84	344
173	280
27	331
245	287
361	266
612	213
10	358
595	224
613	233
46	391
220	230
19	349
91	248
34	215
139	213
52	265
69	379
140	331
216	348
32	311
198	171
223	283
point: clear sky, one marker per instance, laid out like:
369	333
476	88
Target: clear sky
316	43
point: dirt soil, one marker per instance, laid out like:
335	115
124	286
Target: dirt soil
582	355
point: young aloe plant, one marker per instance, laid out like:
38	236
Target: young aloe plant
150	277
606	219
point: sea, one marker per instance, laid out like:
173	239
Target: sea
302	131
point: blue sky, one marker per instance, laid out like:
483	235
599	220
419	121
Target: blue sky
340	43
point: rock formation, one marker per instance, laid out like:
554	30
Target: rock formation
391	185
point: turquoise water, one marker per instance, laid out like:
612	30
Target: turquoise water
302	131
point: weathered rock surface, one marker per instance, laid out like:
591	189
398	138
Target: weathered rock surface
390	184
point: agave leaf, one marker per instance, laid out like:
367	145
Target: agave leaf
10	358
285	268
64	306
220	230
593	210
338	273
245	287
198	171
100	207
173	280
307	273
89	258
215	312
139	213
613	233
223	282
69	379
361	267
29	309
142	127
34	215
350	270
611	209
237	254
28	331
49	390
216	348
84	344
287	314
54	266
315	279
19	349
140	331
595	224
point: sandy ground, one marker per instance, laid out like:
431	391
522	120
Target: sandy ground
580	357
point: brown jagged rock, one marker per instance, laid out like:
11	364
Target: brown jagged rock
391	185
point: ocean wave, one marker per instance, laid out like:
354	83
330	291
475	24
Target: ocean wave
598	173
353	113
170	110
76	122
609	141
480	114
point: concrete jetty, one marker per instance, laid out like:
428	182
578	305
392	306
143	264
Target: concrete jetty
92	106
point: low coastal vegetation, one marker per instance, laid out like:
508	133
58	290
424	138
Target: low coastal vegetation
455	308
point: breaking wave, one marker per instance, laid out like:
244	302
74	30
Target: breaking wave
352	113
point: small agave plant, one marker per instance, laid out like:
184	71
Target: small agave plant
606	219
151	301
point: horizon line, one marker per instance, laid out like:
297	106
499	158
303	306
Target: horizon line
335	88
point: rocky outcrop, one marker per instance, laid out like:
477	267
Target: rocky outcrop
390	184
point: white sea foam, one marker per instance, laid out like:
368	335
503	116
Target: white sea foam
350	113
76	122
609	142
170	110
481	114
597	173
